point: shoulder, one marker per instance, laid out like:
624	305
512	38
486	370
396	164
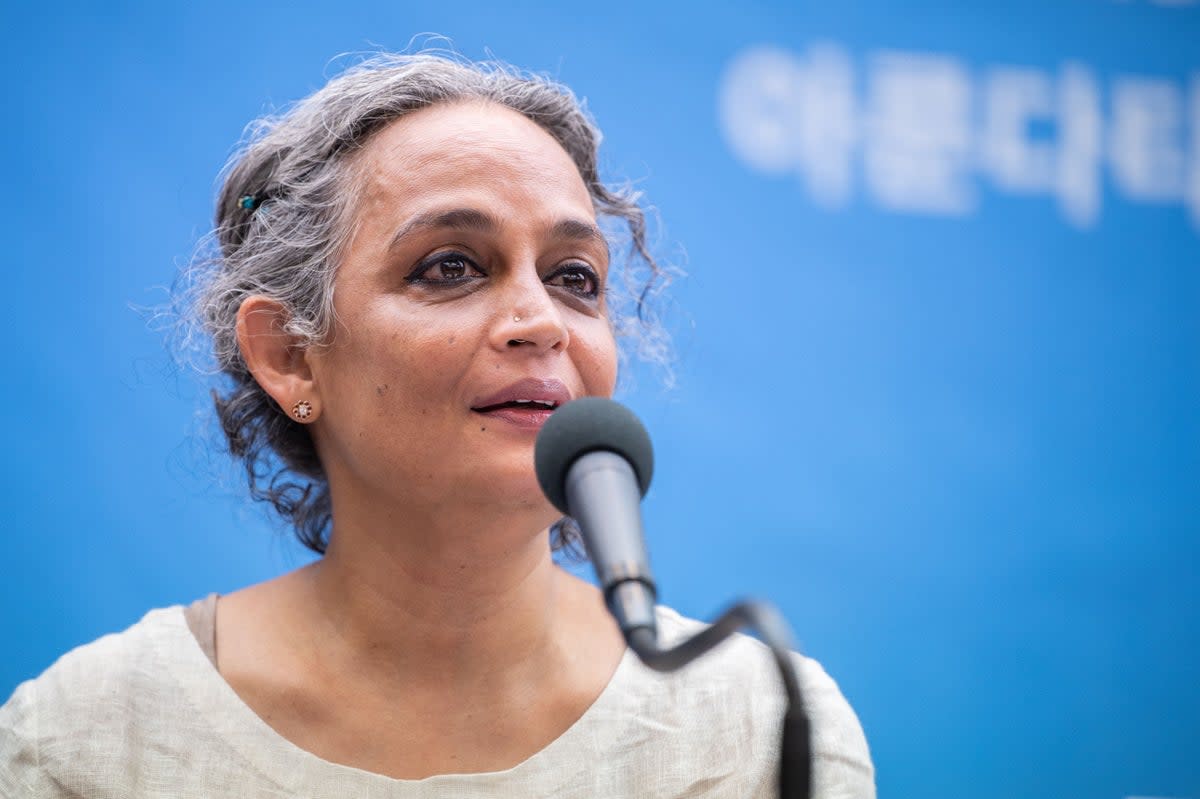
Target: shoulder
91	707
739	683
105	678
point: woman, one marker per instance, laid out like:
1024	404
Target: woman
411	277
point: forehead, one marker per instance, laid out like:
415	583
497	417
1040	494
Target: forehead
469	150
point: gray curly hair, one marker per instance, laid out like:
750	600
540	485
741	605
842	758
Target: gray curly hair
285	212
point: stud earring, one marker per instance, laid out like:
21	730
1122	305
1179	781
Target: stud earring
516	318
302	410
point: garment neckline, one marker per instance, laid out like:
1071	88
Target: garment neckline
290	766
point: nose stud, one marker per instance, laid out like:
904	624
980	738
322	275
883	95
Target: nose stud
516	318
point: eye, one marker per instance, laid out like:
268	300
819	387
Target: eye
577	278
445	268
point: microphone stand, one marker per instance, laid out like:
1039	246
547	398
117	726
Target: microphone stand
795	759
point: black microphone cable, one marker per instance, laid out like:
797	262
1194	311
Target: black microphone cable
795	764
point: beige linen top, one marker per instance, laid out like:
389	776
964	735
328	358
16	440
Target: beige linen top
144	713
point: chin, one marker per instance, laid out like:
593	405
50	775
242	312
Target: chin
507	481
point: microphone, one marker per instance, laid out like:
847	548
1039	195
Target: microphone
594	462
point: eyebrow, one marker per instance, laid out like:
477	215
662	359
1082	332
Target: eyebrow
478	221
578	230
456	218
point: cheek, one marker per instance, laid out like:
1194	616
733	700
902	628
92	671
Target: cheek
401	366
422	368
596	360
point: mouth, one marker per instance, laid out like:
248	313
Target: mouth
526	403
520	405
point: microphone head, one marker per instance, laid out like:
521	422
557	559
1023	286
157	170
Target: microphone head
589	424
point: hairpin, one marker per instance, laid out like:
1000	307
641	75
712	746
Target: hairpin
249	202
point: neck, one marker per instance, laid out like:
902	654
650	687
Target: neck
439	601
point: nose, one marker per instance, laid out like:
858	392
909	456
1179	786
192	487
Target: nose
528	317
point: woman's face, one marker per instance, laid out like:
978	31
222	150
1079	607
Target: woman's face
472	284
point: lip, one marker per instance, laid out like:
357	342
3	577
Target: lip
529	388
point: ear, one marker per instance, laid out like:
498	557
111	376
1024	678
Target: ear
275	357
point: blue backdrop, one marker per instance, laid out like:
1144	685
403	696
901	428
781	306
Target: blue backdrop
938	355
